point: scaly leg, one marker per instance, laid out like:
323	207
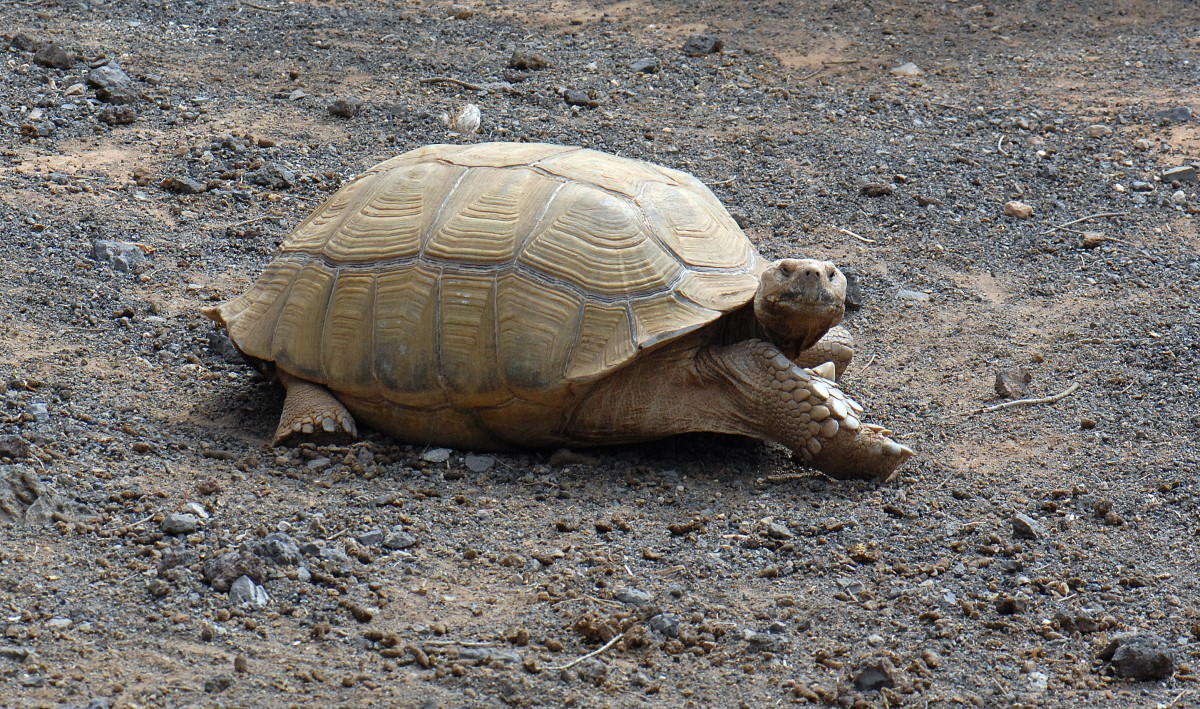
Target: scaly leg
311	413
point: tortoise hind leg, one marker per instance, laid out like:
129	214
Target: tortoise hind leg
311	413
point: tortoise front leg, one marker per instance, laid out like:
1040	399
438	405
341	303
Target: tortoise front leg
749	389
311	413
836	346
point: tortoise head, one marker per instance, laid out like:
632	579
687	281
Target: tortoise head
798	300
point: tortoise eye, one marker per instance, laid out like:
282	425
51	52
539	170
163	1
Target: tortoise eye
785	269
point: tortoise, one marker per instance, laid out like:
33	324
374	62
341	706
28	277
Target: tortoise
505	295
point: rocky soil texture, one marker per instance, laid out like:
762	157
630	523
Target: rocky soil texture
1012	184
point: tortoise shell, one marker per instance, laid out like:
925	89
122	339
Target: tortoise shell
474	275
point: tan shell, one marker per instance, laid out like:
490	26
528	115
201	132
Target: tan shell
476	275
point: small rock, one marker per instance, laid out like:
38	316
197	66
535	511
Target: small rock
490	654
1026	527
634	597
183	185
112	84
318	463
436	455
698	45
1087	424
58	623
370	538
121	255
245	591
854	294
117	115
1142	144
344	107
915	296
764	642
1179	197
906	69
279	548
1011	605
877	189
1178	114
666	624
461	12
179	523
1037	683
873	674
37	411
1091	239
23	42
1141	186
221	571
525	60
778	530
1020	210
53	56
1139	656
13	446
477	463
466	121
645	65
1012	385
576	97
1181	174
398	539
272	176
1098	130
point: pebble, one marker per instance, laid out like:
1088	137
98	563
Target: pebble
117	115
666	624
1020	210
698	45
38	412
915	296
461	12
13	446
854	293
906	69
877	189
121	255
1179	197
272	176
279	548
1098	130
180	523
183	185
1139	656
112	84
1178	114
53	56
1142	144
1026	527
577	97
634	597
1012	384
372	537
436	455
318	463
221	571
1181	174
58	623
245	591
478	463
344	107
1141	186
525	60
398	539
778	530
874	674
645	65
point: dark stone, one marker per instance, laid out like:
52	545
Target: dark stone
1026	527
1139	656
112	84
221	571
344	107
874	674
1178	114
666	624
1010	605
634	597
183	185
13	446
877	189
279	548
180	523
576	97
53	57
117	115
272	176
698	45
854	294
646	65
399	539
1012	385
525	60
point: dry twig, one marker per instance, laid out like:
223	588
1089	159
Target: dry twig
1089	217
863	239
590	655
1028	402
452	80
256	6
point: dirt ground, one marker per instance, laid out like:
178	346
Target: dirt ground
137	482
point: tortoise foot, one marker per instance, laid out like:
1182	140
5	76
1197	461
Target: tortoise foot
312	414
